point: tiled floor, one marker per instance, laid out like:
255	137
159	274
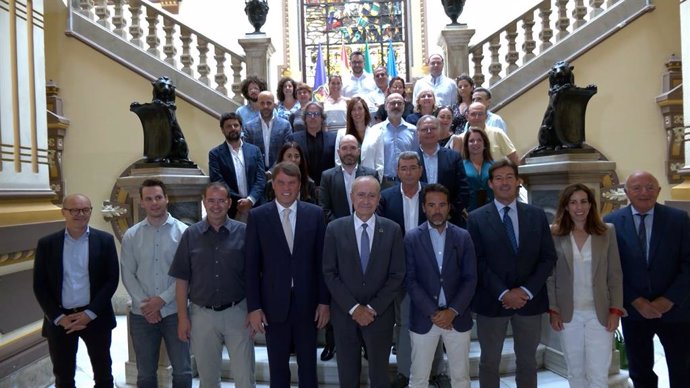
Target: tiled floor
119	355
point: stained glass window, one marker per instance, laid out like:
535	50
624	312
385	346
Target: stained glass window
341	27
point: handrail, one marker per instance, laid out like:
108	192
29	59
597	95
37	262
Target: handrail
505	27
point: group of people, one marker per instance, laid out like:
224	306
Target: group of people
377	233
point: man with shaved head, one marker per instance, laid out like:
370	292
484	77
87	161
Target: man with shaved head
654	246
75	276
268	131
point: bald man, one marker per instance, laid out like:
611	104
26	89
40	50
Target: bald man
268	131
444	88
501	145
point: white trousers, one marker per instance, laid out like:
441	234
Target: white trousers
423	350
587	348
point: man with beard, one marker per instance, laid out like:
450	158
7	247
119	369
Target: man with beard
398	136
444	88
251	87
359	83
239	165
268	131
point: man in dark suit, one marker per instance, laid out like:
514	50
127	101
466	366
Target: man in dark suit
443	165
363	265
268	132
336	182
286	295
238	164
515	256
654	246
318	146
441	278
75	276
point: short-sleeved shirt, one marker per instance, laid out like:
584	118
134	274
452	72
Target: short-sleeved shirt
212	262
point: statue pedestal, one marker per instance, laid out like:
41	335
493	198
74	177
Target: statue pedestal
455	41
257	50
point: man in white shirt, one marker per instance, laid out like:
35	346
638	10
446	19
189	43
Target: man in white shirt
359	82
444	88
377	97
148	249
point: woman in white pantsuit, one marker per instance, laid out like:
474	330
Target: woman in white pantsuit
586	287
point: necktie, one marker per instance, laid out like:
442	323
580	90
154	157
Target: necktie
287	228
642	236
508	224
364	248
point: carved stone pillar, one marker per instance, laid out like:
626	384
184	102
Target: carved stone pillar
682	191
57	128
258	50
670	102
455	41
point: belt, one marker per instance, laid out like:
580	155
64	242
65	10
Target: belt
73	309
222	307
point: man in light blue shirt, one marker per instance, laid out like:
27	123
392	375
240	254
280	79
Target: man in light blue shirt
444	88
148	249
398	136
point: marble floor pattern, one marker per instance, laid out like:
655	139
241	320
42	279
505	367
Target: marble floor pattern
547	379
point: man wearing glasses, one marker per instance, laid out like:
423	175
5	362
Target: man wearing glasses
377	97
359	83
75	276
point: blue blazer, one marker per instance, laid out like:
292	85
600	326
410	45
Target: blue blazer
451	174
668	271
270	268
222	168
424	280
500	268
391	206
281	133
103	275
327	158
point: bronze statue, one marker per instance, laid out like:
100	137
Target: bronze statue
256	11
163	139
563	126
453	9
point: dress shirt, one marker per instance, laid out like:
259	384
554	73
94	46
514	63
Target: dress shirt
648	222
349	179
444	88
514	218
411	208
396	139
212	262
583	291
266	132
76	289
247	114
375	99
240	173
358	86
292	216
438	241
431	165
146	255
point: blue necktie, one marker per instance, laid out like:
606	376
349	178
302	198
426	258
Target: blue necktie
642	236
364	248
508	224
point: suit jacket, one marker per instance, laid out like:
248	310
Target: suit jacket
391	206
500	268
326	158
668	271
384	275
451	174
371	149
273	274
281	133
103	275
222	168
332	195
607	276
424	280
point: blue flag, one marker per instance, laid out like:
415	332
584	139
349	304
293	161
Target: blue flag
320	78
390	61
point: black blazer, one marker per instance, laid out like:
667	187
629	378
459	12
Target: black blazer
391	206
451	174
222	168
103	275
332	195
327	159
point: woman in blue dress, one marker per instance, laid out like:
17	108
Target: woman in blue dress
477	162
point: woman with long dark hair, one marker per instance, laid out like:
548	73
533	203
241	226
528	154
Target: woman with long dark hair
370	138
292	152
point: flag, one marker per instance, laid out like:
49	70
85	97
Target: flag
320	78
390	61
367	61
344	60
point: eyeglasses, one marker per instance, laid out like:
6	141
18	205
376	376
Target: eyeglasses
75	212
381	75
313	114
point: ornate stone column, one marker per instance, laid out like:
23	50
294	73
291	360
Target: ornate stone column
681	192
258	50
455	41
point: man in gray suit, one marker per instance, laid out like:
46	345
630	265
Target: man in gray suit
268	131
363	266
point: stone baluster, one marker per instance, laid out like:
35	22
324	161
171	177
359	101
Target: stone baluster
529	43
595	5
86	8
610	3
220	78
202	68
512	56
152	37
477	57
579	13
134	28
563	21
103	14
186	57
546	32
236	66
495	66
169	47
119	20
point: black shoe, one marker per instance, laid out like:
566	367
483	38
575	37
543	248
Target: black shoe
400	381
328	352
441	381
